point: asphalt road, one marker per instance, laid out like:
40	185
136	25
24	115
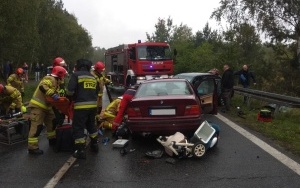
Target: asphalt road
236	162
239	160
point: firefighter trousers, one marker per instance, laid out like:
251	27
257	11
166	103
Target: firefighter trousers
84	119
38	118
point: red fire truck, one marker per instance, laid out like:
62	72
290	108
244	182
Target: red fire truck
130	64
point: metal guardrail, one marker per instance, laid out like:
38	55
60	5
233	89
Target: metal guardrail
279	100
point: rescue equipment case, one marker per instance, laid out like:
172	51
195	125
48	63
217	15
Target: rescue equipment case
13	131
64	137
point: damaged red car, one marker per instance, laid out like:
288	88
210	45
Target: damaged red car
164	107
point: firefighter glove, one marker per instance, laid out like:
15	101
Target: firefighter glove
55	97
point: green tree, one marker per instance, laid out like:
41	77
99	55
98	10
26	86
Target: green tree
163	32
98	54
18	31
279	19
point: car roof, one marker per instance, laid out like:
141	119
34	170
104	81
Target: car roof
165	80
192	74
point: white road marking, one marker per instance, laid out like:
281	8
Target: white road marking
53	181
293	165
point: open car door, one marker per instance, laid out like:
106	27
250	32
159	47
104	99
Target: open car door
206	90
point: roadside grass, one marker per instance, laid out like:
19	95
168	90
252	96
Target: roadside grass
29	89
284	129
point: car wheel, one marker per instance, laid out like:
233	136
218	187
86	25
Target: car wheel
199	150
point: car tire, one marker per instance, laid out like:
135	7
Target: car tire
199	149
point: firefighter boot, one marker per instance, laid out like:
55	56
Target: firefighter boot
79	152
52	141
35	151
94	145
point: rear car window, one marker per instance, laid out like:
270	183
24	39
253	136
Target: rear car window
163	88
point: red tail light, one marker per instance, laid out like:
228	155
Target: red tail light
192	110
134	112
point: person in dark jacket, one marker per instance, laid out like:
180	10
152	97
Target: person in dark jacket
227	83
82	90
244	78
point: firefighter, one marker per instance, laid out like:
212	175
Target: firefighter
108	115
41	111
58	61
126	98
10	99
82	90
101	80
17	80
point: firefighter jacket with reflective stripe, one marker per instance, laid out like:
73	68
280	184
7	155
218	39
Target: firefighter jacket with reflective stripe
83	88
16	81
101	80
112	109
47	87
11	95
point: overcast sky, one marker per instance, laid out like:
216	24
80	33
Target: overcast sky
114	22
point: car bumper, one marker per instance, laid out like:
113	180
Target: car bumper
166	127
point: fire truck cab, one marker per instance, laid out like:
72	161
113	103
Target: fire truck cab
130	64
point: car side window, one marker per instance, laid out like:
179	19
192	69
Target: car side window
206	87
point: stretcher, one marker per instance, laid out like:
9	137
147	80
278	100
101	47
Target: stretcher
63	105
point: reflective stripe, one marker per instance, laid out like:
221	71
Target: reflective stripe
87	106
86	78
51	134
85	103
33	140
109	114
33	101
50	92
47	82
94	135
15	94
100	94
80	140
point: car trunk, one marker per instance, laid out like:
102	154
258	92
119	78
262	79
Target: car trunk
162	106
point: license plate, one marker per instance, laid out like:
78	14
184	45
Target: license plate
161	112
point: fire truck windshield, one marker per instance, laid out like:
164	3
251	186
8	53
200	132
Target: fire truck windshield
153	53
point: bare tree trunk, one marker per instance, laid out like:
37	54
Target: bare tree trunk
298	51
